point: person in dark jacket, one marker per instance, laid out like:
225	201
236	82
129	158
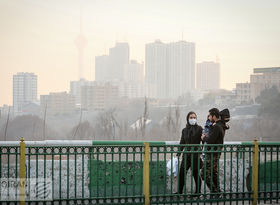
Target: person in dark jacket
216	136
191	134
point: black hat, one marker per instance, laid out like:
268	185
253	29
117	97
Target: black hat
225	115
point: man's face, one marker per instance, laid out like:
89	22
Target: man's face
211	118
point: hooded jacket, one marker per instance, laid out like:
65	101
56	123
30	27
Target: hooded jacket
191	134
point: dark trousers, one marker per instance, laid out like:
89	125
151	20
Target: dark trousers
195	172
212	179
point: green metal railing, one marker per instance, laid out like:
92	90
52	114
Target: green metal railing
268	175
232	183
107	172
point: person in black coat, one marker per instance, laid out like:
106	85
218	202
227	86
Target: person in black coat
215	137
191	134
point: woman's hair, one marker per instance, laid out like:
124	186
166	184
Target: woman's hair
190	113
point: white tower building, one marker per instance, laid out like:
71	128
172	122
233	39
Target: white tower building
24	90
208	76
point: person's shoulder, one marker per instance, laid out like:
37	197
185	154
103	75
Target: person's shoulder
217	126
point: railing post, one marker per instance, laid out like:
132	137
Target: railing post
146	170
22	172
255	172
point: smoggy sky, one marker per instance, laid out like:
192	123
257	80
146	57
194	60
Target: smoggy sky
38	35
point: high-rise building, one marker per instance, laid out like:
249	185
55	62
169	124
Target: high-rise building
24	90
264	78
133	84
102	68
170	68
111	67
208	76
243	93
119	56
134	72
130	89
75	89
156	69
180	68
99	96
116	68
57	103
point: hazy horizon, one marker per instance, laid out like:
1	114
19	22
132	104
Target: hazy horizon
38	36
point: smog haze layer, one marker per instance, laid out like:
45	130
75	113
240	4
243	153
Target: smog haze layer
39	36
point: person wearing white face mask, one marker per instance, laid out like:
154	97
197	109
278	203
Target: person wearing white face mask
191	134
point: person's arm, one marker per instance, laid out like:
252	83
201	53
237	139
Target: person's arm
182	141
204	138
213	135
200	134
200	140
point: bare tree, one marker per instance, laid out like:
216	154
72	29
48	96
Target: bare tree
28	126
85	131
6	127
177	121
144	119
123	129
106	123
169	122
33	129
173	123
44	122
81	114
136	129
114	123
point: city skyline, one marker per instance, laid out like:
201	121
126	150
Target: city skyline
38	36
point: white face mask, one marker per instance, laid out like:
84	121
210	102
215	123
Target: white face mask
192	121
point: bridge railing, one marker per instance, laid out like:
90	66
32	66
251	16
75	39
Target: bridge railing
107	172
268	172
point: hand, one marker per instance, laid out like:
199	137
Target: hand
203	136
